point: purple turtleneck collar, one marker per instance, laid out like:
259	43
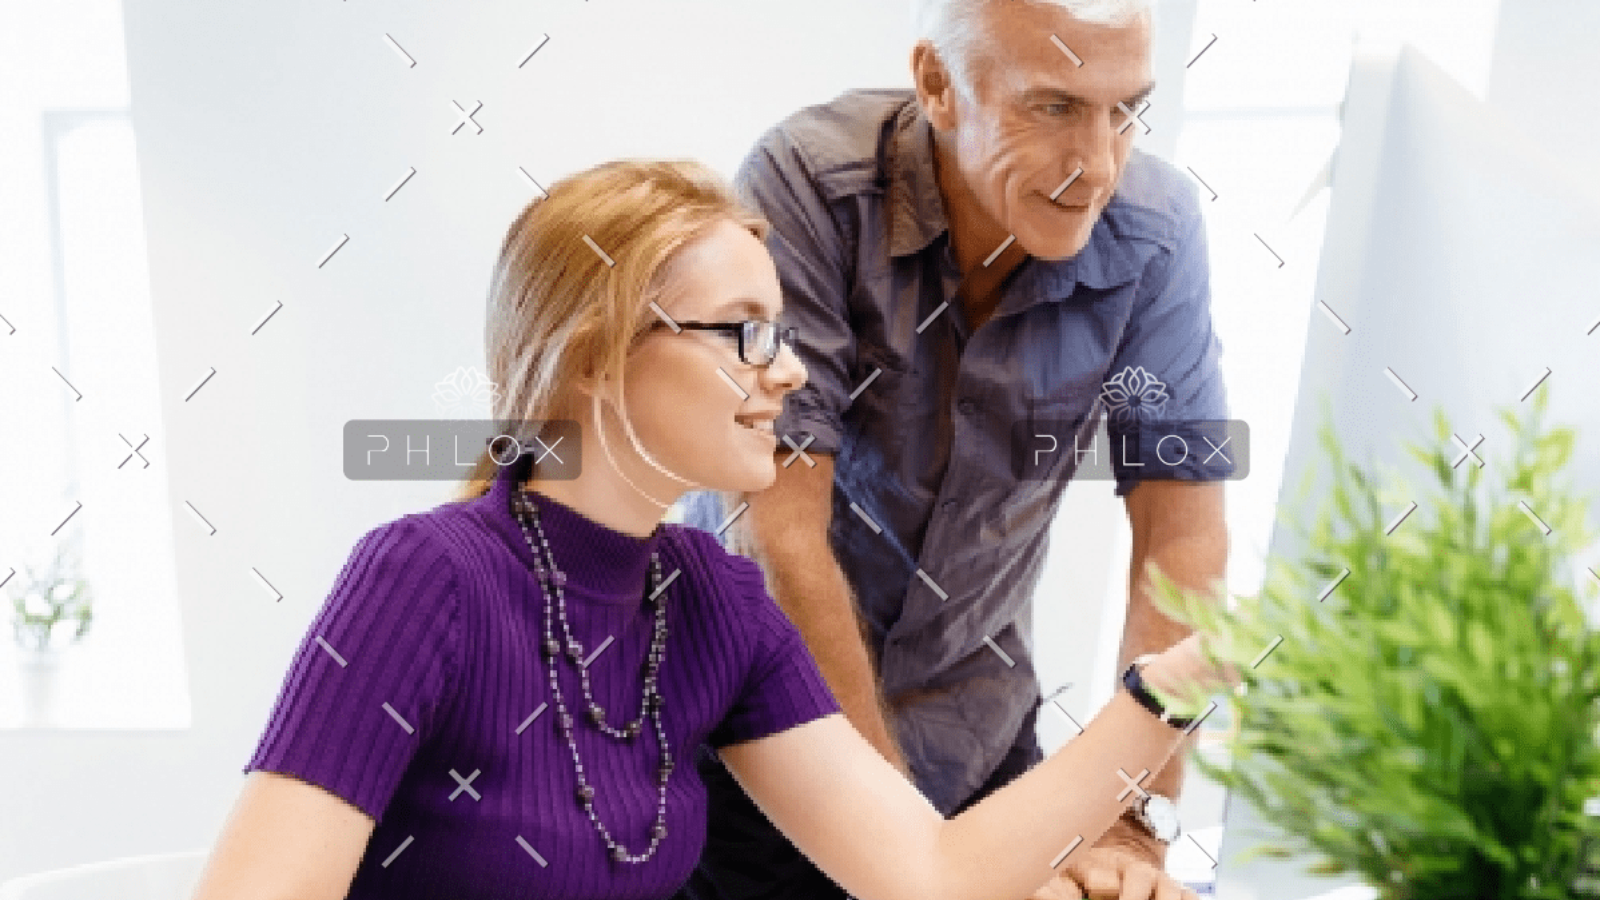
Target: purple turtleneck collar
601	563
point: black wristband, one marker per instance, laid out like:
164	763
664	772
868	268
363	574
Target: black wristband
1135	685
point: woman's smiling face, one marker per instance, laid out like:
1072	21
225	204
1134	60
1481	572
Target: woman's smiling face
689	395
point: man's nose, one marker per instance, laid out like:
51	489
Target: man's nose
1096	148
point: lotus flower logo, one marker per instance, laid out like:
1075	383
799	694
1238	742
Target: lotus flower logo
1134	396
464	393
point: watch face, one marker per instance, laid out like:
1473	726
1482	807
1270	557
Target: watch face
1162	816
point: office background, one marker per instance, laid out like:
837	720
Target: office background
173	173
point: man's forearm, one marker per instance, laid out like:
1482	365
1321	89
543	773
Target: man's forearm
827	619
1192	564
805	579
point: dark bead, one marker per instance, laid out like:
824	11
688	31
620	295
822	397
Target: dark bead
575	651
659	832
585	793
551	647
597	714
619	853
632	730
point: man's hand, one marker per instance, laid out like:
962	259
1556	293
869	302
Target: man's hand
1126	864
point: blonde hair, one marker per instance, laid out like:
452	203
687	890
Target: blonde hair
557	309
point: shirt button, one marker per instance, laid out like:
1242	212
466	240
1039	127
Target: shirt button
966	406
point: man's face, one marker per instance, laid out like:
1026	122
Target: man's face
1036	117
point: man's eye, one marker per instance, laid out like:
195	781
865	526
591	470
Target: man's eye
1056	109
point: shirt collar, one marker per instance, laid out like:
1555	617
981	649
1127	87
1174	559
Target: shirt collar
916	217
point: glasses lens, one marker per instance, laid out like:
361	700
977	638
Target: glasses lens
758	342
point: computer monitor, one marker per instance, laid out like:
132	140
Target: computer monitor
1459	271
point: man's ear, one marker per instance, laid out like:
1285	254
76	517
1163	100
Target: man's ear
935	89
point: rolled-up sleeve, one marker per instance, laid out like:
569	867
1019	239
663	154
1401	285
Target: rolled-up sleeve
1166	400
812	258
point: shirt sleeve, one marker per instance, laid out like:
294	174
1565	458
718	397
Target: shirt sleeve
371	678
783	686
1166	402
812	259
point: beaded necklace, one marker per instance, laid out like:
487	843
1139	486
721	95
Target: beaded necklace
552	579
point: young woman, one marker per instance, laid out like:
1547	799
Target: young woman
501	696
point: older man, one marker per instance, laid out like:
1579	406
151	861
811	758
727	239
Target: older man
967	263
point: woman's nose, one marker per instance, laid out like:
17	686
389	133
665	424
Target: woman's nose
787	372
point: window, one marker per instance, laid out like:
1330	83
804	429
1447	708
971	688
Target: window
81	405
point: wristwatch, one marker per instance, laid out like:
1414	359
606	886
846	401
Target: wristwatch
1158	815
1137	689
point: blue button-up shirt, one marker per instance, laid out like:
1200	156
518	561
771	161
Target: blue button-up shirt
943	494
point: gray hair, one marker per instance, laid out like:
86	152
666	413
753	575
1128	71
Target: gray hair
961	37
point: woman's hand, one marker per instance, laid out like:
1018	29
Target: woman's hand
1186	670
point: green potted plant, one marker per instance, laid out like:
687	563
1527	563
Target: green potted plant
1429	724
52	608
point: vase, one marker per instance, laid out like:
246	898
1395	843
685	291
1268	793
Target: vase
39	680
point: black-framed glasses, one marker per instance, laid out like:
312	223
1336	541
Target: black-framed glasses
758	341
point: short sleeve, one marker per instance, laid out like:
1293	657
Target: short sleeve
1167	406
812	259
370	679
782	686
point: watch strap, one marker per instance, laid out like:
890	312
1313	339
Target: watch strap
1141	693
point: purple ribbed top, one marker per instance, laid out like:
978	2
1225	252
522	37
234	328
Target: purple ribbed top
427	674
